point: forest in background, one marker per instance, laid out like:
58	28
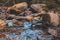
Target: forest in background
51	4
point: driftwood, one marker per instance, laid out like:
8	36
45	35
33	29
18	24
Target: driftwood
19	6
50	18
2	24
54	19
28	17
37	7
55	31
